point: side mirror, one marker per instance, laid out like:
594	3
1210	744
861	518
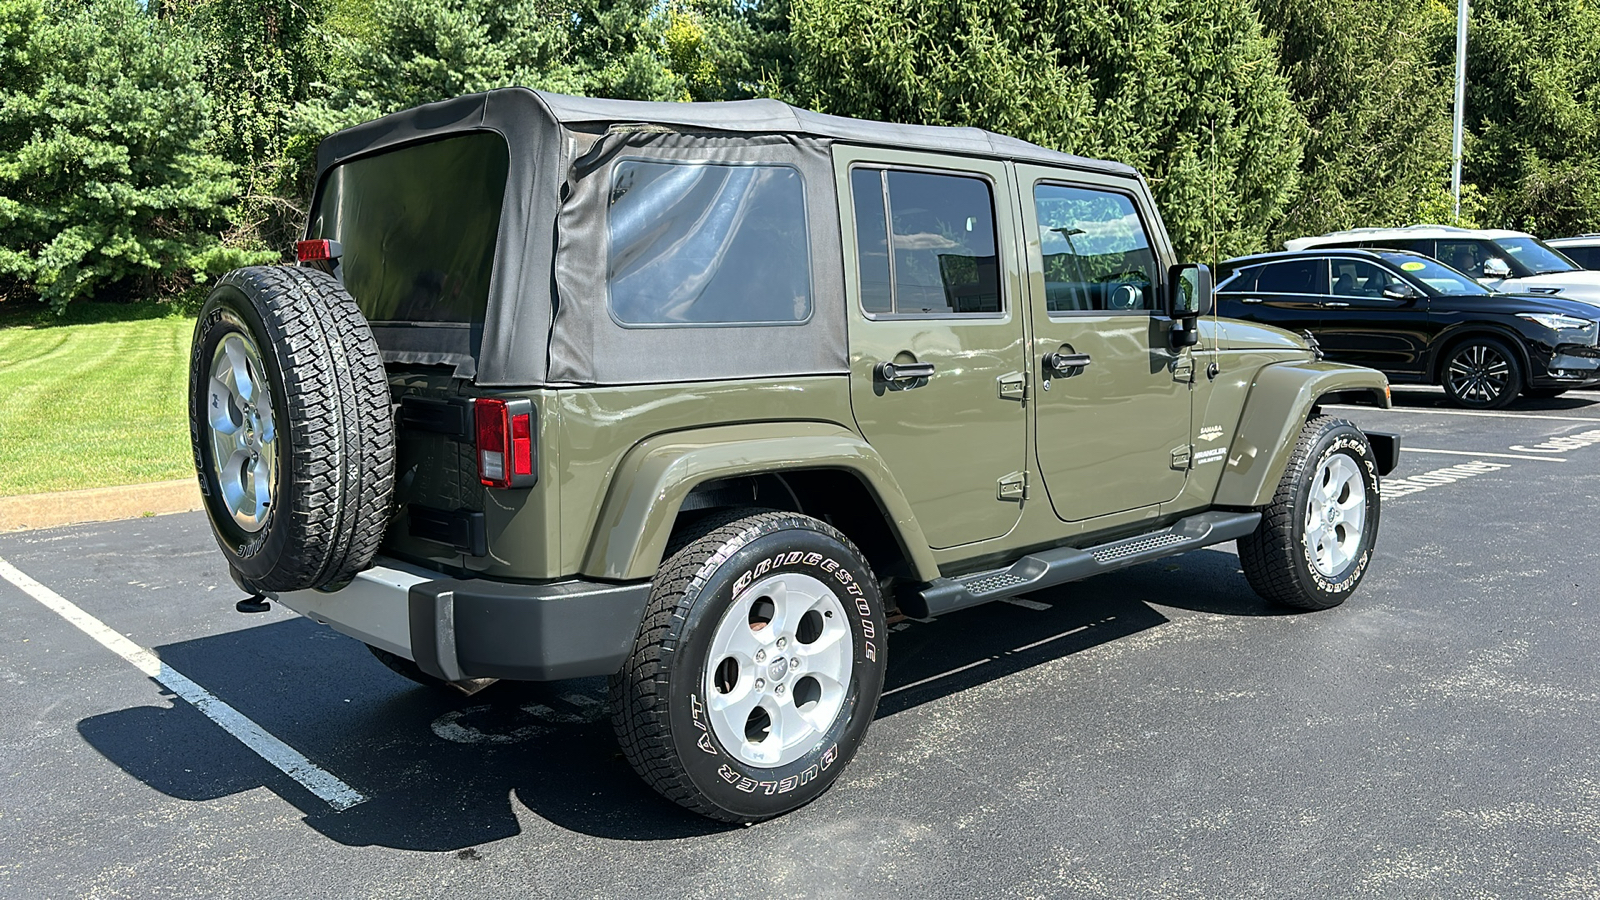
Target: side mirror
1495	267
1189	296
1401	291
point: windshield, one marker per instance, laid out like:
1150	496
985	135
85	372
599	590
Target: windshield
1534	255
1439	278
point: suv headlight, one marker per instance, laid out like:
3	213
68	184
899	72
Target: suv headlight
1559	322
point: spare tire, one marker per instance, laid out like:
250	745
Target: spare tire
290	421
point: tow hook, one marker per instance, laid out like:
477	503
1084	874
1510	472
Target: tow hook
253	604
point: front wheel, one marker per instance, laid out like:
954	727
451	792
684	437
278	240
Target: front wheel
1482	373
1315	539
757	667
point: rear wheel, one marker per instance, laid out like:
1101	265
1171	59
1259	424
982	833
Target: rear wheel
1482	373
291	428
757	668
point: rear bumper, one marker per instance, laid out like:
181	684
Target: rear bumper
458	629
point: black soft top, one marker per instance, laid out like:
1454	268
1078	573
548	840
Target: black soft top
546	320
491	108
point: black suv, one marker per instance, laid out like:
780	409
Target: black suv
1419	321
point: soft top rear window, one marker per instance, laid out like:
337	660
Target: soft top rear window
418	226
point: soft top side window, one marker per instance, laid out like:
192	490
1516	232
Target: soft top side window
1096	252
699	243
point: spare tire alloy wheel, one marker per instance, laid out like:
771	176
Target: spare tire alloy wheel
291	428
244	436
1482	374
758	667
1315	539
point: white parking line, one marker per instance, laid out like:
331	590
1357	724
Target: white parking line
1404	449
286	759
1465	412
1026	604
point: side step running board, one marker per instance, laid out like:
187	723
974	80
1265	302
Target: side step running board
1064	564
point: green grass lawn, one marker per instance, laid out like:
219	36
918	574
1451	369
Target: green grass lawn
94	398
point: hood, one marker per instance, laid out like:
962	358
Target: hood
1533	303
1582	286
1237	334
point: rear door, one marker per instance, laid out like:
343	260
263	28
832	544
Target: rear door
1113	433
1287	294
936	339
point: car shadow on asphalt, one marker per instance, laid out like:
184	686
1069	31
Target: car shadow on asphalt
1421	398
447	772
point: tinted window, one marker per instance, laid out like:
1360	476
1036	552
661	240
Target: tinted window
418	226
1588	257
1240	282
707	244
1096	253
1297	276
942	230
1358	278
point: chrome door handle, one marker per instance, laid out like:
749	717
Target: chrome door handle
1336	304
1250	300
889	371
1066	365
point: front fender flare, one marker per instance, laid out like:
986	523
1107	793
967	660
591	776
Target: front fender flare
653	478
1280	401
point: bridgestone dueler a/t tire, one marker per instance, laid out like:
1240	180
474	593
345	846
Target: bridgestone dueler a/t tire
335	433
658	713
1275	557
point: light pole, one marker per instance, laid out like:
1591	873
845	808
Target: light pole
1461	102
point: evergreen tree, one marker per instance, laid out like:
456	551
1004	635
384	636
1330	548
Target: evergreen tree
1533	110
1365	75
1189	95
104	172
259	59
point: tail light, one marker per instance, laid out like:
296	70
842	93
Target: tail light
506	450
317	251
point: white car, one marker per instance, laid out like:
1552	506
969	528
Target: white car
1511	262
1583	249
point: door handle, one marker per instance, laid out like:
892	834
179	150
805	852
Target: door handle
1250	300
1066	365
893	372
1336	304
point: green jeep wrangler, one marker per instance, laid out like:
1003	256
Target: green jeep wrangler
704	396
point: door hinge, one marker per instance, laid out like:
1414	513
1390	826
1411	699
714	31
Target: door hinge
1013	386
1183	369
1014	486
1181	457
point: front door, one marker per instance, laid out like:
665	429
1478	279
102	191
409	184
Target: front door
936	339
1112	398
1360	325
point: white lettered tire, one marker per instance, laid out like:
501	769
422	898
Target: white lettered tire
1315	539
757	668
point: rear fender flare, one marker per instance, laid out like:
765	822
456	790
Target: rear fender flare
1280	402
651	481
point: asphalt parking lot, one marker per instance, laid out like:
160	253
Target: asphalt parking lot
1155	732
